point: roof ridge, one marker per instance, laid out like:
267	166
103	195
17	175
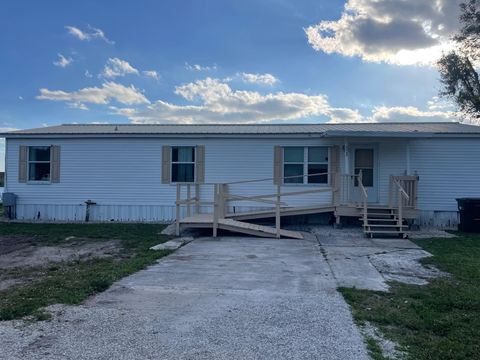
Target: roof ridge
273	124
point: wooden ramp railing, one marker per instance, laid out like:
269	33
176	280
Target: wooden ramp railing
222	197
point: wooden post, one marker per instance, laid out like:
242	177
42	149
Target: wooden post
197	198
415	192
177	212
222	207
336	190
224	201
390	192
400	209
365	215
277	212
189	195
360	182
215	209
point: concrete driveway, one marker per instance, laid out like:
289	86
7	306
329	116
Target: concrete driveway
231	298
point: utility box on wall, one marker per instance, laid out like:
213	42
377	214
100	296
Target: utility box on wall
9	202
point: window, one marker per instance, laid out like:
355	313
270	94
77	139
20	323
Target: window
293	158
364	159
39	163
301	161
183	164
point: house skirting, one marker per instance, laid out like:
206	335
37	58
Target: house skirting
438	219
166	213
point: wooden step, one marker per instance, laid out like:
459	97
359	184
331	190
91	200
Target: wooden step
369	215
255	229
379	207
382	220
385	226
385	232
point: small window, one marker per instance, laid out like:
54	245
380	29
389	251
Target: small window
298	162
39	163
183	164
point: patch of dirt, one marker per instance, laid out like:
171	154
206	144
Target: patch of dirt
405	266
390	349
12	243
23	252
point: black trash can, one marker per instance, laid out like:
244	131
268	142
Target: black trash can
469	209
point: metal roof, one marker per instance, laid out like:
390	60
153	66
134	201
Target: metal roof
327	130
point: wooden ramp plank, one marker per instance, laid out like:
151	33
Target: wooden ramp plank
206	221
255	229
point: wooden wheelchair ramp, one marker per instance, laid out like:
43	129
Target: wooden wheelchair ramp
242	227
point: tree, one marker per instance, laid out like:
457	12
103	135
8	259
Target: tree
458	74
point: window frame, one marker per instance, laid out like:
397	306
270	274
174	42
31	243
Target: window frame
305	164
194	162
29	181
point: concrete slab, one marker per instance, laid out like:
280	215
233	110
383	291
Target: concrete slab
226	298
364	263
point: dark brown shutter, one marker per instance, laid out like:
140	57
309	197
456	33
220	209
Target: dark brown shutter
55	163
22	164
200	164
166	164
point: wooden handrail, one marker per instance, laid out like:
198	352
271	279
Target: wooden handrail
401	189
255	197
232	197
271	178
365	198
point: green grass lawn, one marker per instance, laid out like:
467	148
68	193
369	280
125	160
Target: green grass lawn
437	321
73	282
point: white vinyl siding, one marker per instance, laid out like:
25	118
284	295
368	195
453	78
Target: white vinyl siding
448	169
123	177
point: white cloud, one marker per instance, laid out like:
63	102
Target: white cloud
88	35
197	67
116	67
88	74
151	73
77	105
410	114
63	61
438	103
95	95
345	115
402	32
216	102
262	79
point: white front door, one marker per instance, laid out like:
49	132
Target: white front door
365	159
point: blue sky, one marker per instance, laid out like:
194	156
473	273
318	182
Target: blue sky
221	61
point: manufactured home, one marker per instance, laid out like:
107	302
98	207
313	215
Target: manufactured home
387	175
